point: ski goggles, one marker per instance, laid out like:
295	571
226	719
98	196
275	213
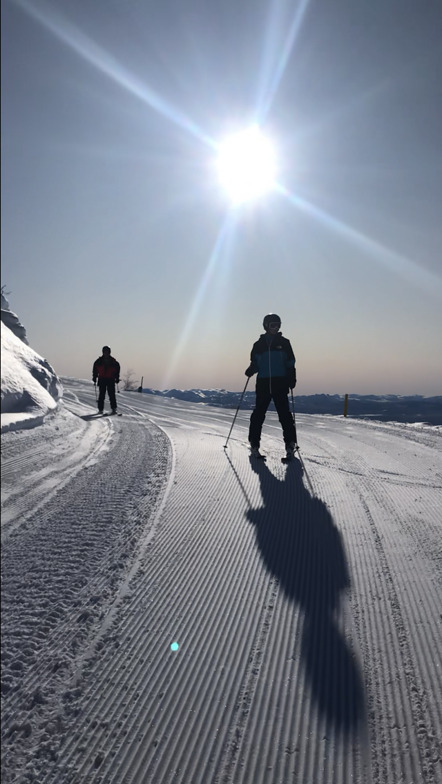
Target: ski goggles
274	325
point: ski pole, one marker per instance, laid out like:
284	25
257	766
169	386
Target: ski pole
95	387
299	452
294	420
236	413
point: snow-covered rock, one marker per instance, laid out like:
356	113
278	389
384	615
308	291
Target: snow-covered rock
30	386
11	320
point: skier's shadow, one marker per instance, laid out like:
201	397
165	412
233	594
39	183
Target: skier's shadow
302	547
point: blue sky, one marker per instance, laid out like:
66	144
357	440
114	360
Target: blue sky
115	229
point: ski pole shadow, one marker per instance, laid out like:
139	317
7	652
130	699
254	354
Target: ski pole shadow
238	479
301	546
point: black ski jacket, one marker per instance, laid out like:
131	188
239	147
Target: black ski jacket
272	358
106	369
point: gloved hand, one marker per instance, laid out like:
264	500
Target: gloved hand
117	380
94	380
292	379
249	372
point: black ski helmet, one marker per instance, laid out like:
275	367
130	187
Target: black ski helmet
106	349
271	317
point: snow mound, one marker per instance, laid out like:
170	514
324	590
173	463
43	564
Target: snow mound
30	386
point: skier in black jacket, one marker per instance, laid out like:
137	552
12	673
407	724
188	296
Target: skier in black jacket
272	358
107	370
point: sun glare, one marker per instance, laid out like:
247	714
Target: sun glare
246	165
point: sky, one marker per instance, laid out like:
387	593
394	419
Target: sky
112	209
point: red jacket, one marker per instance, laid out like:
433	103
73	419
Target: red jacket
106	369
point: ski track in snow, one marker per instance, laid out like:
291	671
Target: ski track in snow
307	607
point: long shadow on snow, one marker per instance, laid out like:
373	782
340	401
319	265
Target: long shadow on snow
302	547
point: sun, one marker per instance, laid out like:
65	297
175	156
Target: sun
246	165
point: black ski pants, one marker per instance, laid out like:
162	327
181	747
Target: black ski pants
106	385
263	399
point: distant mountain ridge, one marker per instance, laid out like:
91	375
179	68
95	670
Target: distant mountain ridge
386	408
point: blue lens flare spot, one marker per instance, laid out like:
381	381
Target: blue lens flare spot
174	646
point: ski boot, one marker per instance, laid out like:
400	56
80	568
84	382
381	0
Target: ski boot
254	452
290	452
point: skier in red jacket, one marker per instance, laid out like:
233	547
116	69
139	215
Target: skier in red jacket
107	370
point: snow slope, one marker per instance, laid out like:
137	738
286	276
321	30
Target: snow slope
305	600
